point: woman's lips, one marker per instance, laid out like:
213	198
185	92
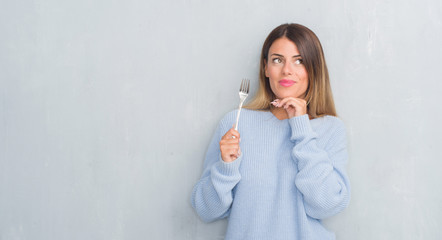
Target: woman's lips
286	82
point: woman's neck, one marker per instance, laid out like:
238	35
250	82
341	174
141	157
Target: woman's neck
279	113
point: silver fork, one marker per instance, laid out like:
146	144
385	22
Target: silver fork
243	93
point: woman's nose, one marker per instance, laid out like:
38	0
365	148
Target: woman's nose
287	69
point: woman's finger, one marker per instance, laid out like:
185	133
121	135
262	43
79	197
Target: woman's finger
293	106
229	145
229	152
226	149
295	102
232	133
231	141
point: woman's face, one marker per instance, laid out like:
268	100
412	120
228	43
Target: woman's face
285	70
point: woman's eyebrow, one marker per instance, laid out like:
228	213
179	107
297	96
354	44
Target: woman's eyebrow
279	55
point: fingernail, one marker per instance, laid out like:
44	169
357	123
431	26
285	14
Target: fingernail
275	102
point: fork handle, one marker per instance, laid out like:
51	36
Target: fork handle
237	115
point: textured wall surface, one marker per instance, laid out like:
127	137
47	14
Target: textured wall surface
107	108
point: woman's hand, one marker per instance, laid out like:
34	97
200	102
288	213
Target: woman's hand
293	106
229	146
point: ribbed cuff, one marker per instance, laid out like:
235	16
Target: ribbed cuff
300	127
228	168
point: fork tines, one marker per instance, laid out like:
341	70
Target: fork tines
245	85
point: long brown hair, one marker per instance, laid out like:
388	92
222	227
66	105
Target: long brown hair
318	95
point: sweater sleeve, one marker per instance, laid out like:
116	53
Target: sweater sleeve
322	177
212	195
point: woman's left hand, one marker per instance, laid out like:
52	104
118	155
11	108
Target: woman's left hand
293	106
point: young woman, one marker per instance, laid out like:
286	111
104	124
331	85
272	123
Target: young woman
286	170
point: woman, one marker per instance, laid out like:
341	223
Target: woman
286	170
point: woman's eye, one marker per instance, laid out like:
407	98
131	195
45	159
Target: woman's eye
298	61
276	60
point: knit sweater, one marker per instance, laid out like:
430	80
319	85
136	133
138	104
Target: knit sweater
290	175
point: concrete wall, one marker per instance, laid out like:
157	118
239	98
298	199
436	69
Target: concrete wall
107	108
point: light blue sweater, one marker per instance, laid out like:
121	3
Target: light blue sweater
290	175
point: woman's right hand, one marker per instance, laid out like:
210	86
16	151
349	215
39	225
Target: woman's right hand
229	146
